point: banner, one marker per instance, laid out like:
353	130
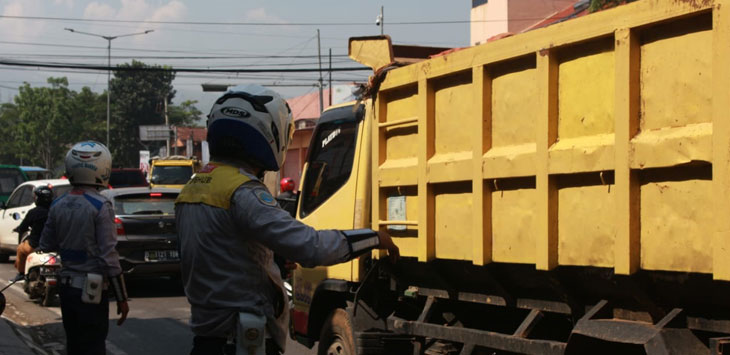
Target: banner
144	161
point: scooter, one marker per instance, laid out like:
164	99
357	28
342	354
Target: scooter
41	276
42	273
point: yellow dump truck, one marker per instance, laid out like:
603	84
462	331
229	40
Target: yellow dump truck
561	191
172	171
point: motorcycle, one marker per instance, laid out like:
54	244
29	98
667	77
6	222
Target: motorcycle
41	280
41	276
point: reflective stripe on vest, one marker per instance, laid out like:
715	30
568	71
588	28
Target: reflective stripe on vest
213	185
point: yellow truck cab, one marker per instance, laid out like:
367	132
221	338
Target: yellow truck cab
560	191
173	171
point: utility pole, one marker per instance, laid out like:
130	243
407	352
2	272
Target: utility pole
321	82
167	125
109	69
330	86
380	20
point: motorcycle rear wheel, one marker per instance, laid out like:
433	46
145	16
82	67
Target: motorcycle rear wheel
29	284
48	297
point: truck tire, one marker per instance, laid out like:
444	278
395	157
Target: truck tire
336	337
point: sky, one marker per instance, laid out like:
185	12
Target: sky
253	34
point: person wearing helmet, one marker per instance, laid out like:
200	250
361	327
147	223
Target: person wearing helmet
287	199
34	220
229	226
80	226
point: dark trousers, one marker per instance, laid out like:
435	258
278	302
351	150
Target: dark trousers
218	346
86	325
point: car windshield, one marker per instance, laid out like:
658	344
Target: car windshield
127	178
9	180
145	204
171	174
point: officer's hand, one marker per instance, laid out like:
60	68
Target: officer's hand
123	309
387	243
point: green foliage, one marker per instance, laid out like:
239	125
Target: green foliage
8	121
185	115
598	5
137	99
44	122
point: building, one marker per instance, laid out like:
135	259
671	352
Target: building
187	141
306	111
490	18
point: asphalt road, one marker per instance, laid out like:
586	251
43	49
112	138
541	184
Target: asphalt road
157	322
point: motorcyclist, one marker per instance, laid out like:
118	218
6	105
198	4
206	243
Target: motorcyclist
229	226
81	227
34	220
287	199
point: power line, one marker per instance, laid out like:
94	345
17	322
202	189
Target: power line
170	69
206	23
93	56
213	76
142	50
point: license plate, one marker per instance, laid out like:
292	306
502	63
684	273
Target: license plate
161	255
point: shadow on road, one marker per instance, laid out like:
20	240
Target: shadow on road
158	336
154	287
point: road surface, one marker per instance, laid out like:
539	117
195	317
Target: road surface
157	321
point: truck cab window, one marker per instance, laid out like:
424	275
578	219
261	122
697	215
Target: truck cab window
332	152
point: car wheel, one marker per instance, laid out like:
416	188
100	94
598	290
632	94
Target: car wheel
336	336
4	258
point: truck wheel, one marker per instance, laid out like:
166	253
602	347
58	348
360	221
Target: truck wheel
336	337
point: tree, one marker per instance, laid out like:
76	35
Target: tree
90	114
45	122
184	115
8	122
137	98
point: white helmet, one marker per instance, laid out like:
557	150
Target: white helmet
88	163
252	122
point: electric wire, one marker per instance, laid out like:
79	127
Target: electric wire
209	23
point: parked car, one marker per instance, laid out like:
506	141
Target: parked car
127	177
10	177
145	226
13	211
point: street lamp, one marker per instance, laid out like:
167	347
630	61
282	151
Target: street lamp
109	66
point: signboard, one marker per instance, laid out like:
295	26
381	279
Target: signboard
144	161
154	133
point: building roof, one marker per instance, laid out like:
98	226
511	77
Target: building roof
307	106
198	134
576	9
